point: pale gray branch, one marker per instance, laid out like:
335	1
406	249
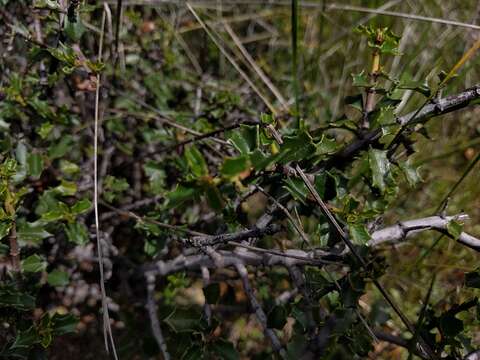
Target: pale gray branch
257	308
405	229
154	321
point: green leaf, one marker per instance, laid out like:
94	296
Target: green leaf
156	176
358	234
34	263
45	129
180	194
183	320
245	139
59	149
380	167
66	188
361	79
21	153
35	165
355	101
46	4
113	187
410	172
297	188
58	278
214	197
60	212
196	162
68	167
260	160
418	86
31	232
81	206
296	148
77	233
326	146
382	39
234	166
25	340
455	229
4	228
63	324
18	300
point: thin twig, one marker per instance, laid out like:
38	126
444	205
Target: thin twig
333	222
257	308
107	329
154	321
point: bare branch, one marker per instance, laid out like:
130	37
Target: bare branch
238	236
335	225
436	108
154	322
257	308
405	229
230	258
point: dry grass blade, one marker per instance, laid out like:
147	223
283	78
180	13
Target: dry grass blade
341	7
467	56
107	329
231	60
334	223
256	68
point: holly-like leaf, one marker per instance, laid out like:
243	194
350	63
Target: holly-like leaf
358	234
77	233
380	167
454	228
180	194
410	172
31	232
295	148
5	227
297	188
245	139
234	166
34	263
81	206
35	165
14	299
63	324
196	162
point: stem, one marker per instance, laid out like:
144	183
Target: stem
294	21
370	99
14	249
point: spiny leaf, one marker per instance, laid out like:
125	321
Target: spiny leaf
380	167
